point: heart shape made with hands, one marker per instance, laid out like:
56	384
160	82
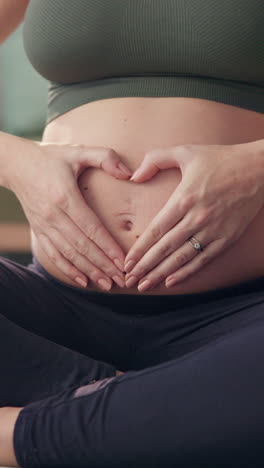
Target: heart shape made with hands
214	203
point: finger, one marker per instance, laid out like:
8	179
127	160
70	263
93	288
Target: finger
94	273
87	221
167	245
61	262
187	221
81	251
102	158
169	216
180	256
212	250
176	260
115	167
154	161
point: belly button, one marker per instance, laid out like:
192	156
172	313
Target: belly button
127	225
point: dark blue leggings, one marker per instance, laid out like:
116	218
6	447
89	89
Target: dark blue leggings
193	390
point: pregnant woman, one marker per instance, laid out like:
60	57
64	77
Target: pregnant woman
136	336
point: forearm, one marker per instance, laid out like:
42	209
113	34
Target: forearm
12	149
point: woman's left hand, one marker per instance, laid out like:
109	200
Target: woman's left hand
221	191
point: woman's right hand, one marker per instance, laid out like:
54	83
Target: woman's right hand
45	180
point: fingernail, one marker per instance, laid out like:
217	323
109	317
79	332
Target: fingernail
104	284
119	281
144	286
124	169
119	264
81	282
129	265
136	174
131	281
170	282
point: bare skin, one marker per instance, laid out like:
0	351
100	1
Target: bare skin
8	417
133	126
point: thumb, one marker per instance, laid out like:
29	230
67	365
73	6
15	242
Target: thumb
113	165
155	161
102	158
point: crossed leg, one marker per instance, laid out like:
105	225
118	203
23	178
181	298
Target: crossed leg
204	409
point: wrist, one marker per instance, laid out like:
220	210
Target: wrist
13	156
254	159
255	149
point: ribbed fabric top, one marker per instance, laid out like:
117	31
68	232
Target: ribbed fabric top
101	49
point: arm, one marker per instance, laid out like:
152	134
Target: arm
44	177
11	14
10	146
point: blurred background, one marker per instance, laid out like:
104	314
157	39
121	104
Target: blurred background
23	98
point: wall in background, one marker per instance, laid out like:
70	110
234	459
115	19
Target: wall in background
23	100
23	90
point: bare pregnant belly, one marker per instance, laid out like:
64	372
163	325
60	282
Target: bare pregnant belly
133	126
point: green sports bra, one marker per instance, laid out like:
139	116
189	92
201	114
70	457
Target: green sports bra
100	49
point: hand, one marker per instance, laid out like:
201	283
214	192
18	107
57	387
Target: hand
220	193
70	233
